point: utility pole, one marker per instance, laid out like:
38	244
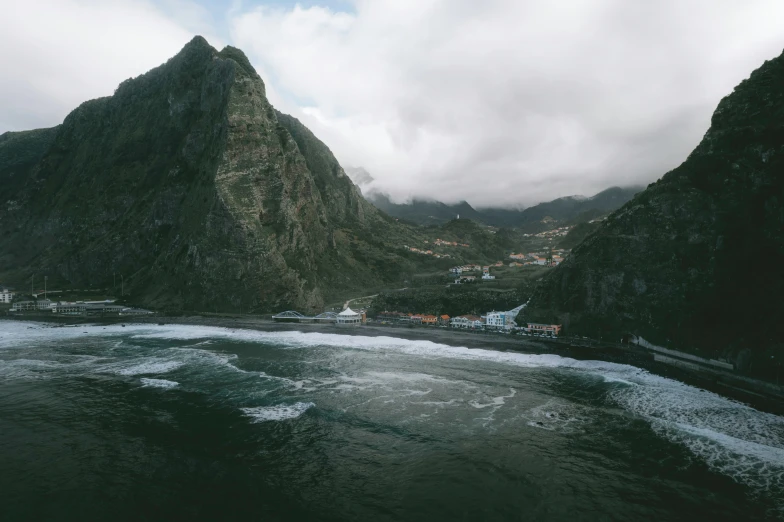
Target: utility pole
32	284
46	278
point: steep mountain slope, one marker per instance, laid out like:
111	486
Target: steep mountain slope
19	153
188	184
696	259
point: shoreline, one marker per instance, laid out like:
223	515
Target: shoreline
759	394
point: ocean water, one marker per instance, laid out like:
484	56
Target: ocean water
182	422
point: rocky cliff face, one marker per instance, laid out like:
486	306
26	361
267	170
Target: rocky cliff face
193	187
696	261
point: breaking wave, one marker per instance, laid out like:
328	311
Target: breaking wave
158	383
148	367
730	437
277	413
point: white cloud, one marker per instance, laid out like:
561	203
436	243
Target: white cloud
509	101
59	53
498	102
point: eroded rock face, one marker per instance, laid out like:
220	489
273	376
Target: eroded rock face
697	259
186	183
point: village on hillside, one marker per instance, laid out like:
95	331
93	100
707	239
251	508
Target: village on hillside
504	321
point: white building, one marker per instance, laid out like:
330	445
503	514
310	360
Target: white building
496	319
465	321
503	320
487	275
349	316
31	306
6	295
69	308
44	304
23	306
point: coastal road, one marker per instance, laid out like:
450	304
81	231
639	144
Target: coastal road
345	305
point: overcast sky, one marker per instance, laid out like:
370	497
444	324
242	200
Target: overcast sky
500	102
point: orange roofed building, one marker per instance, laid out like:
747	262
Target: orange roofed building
544	329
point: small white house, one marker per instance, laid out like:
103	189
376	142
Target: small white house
6	295
487	276
349	316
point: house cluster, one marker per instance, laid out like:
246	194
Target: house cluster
77	308
499	321
534	258
425	252
467	278
551	234
400	317
441	242
458	270
6	295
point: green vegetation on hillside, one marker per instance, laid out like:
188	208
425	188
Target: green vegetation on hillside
578	234
430	294
695	261
187	183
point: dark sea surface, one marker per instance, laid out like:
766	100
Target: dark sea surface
198	423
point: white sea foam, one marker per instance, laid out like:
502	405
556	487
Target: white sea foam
27	368
277	413
158	383
495	401
150	367
613	378
557	415
731	437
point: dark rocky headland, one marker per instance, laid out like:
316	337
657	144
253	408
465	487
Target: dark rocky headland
696	261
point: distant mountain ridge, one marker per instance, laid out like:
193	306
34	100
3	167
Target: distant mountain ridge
423	212
560	211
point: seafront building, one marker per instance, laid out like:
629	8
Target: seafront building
23	306
503	320
466	321
6	295
77	308
349	317
543	329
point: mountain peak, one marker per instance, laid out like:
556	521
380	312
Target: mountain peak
232	53
197	42
197	48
